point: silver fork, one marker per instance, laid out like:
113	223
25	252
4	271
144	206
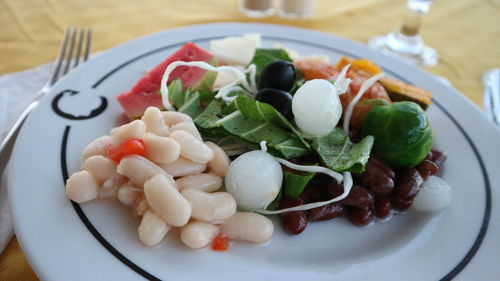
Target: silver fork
75	48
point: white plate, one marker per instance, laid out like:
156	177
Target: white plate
98	241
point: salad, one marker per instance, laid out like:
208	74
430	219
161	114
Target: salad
221	140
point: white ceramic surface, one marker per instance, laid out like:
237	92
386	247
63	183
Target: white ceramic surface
99	240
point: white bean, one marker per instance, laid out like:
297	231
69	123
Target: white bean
192	148
174	117
139	169
128	194
166	201
102	168
187	126
210	207
155	123
98	146
197	234
183	167
109	188
220	162
204	182
140	205
82	187
162	150
134	129
248	226
152	229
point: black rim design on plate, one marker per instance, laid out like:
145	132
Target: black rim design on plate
449	276
95	112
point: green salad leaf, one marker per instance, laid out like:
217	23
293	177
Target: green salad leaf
339	154
262	57
294	184
236	124
264	112
187	101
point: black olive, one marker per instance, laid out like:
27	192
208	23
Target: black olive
278	74
279	99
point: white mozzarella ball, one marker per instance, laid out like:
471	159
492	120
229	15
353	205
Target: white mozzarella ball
254	179
434	195
316	107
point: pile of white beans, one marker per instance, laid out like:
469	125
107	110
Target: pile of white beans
176	185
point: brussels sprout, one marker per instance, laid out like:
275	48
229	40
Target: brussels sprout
402	133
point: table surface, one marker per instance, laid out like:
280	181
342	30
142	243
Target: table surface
466	34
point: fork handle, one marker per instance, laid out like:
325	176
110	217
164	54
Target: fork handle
10	139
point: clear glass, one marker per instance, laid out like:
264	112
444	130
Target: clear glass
407	42
256	8
297	9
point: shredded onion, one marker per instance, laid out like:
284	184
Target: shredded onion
347	177
248	88
367	84
341	84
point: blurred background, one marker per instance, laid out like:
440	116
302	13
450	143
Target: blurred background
465	34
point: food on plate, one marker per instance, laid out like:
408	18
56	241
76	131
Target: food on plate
145	91
403	135
309	141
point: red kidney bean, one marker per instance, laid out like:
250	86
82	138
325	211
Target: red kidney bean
293	222
326	212
378	176
360	216
312	193
427	168
438	157
429	156
401	204
333	189
409	184
358	197
382	206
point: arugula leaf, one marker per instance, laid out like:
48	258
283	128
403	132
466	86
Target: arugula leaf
288	145
236	124
295	183
211	115
176	93
339	154
262	57
264	112
187	101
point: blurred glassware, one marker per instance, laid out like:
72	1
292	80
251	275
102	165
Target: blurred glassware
407	42
256	8
296	9
491	81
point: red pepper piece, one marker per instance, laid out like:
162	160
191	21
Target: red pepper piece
127	147
220	243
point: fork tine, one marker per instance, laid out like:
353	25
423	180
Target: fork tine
62	52
69	57
79	48
89	44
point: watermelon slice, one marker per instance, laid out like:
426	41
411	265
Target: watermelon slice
145	93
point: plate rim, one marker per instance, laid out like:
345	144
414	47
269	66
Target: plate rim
477	153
